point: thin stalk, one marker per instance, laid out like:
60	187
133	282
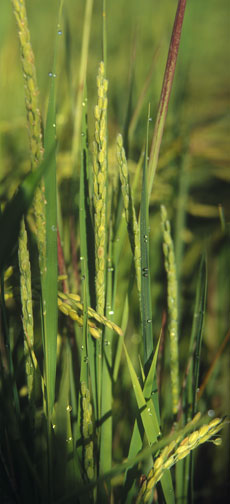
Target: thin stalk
166	91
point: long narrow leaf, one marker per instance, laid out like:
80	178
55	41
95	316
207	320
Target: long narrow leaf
146	308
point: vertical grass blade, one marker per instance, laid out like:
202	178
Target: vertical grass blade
184	472
146	307
49	280
165	92
198	326
82	79
105	462
50	277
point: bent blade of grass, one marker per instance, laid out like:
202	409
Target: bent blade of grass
165	92
137	436
150	427
176	437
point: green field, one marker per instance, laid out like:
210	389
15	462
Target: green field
114	252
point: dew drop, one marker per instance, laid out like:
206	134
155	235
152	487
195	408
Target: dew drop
50	74
59	32
82	348
150	119
111	312
83	277
83	104
69	439
53	228
82	134
81	258
211	413
54	125
107	343
86	360
69	408
149	321
54	426
145	238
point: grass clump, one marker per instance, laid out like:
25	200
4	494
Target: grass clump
88	412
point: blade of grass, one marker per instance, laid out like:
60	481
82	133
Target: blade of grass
60	421
81	84
50	276
146	307
105	462
136	443
184	474
150	427
198	326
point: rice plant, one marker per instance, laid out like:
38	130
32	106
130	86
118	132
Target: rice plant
107	393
